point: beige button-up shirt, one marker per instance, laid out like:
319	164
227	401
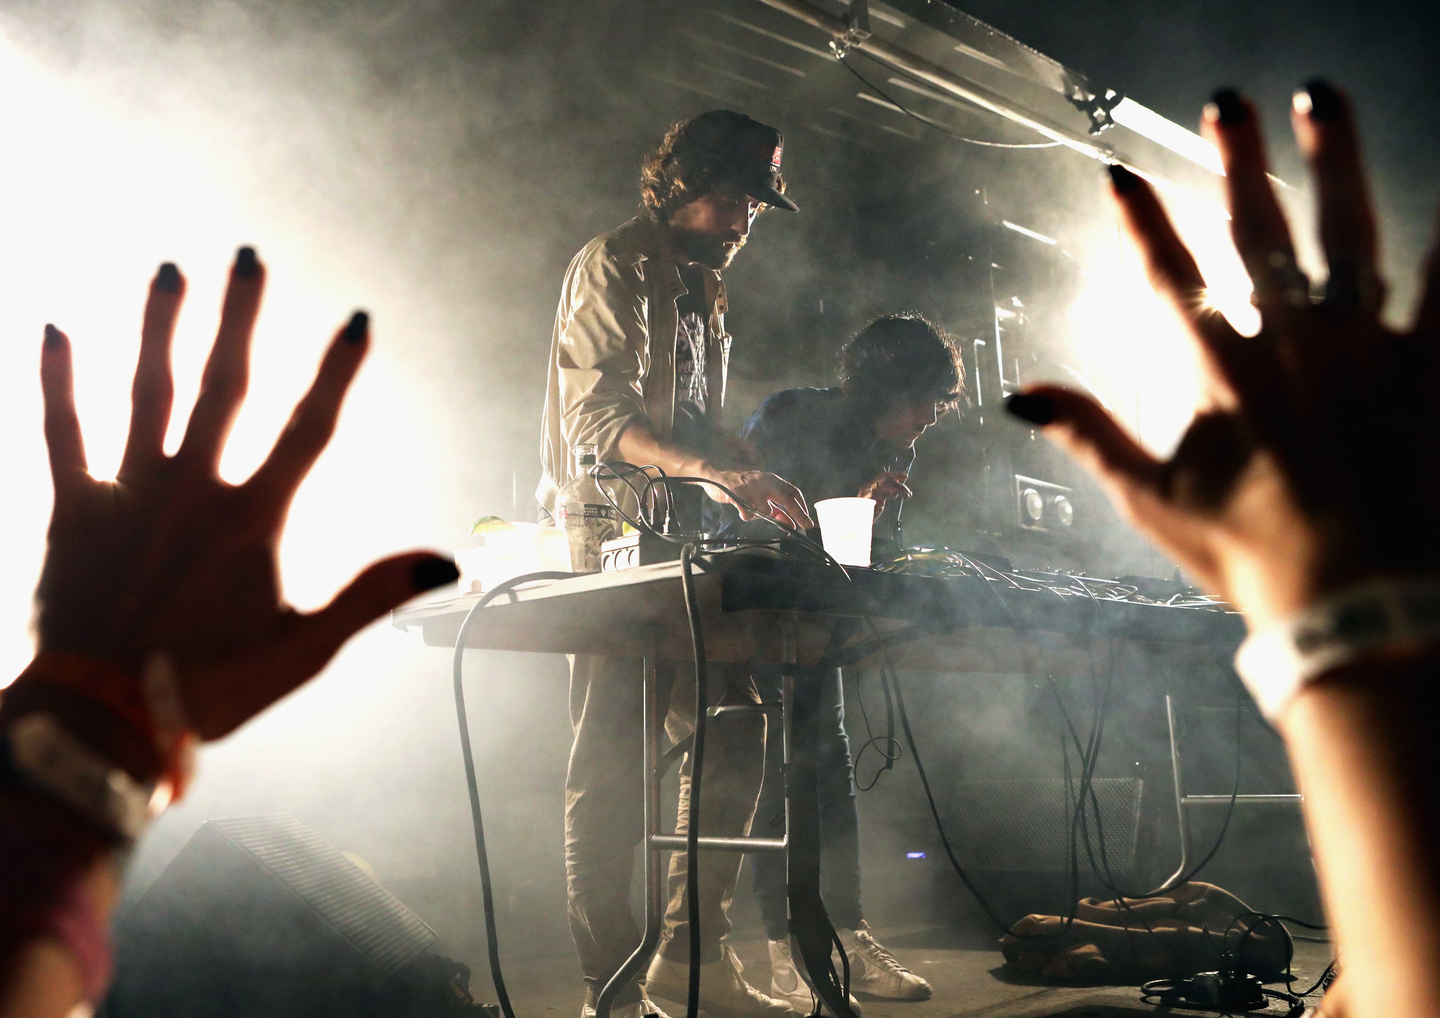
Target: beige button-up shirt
612	354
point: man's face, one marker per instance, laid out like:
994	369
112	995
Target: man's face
906	421
712	228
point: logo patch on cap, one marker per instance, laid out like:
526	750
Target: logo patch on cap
775	156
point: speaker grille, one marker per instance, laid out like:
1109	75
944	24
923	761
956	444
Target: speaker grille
383	930
1024	826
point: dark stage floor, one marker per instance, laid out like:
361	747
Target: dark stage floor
968	980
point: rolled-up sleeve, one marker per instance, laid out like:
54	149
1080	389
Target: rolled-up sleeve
603	351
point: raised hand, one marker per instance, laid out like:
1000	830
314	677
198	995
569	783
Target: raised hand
1314	465
168	558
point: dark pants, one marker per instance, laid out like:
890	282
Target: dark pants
839	822
604	807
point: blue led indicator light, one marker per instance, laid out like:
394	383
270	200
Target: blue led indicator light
914	855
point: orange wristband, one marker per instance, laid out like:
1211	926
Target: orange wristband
116	690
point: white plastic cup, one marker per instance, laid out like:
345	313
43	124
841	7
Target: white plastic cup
845	526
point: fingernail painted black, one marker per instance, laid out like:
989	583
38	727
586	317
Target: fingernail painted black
1032	408
430	573
52	336
356	328
167	280
246	264
1324	100
1123	178
1231	107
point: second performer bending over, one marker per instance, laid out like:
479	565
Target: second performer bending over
897	376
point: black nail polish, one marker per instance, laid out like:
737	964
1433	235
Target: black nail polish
53	337
1033	408
430	573
1125	181
1324	100
246	264
356	329
167	280
1230	106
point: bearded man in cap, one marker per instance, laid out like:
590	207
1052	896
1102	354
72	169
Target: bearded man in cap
637	369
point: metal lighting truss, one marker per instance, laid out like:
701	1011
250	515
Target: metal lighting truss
948	58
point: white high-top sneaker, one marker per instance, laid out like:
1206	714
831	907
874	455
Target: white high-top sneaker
642	1008
877	972
724	993
786	984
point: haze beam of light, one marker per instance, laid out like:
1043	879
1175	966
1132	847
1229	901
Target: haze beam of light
98	191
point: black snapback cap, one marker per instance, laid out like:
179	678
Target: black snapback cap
745	153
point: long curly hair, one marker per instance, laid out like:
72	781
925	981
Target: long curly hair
676	172
903	356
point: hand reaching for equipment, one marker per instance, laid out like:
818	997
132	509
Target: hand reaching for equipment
1287	485
170	558
886	485
766	493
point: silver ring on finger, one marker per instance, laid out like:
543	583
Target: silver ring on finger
1280	281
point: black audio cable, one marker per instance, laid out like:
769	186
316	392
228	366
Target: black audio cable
487	892
697	769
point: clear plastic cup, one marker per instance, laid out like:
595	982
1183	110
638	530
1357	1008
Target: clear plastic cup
845	525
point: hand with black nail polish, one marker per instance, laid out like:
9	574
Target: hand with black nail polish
1274	495
1310	469
169	558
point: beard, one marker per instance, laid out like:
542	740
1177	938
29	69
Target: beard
707	249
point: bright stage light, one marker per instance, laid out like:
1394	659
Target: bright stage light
1135	352
98	190
1146	122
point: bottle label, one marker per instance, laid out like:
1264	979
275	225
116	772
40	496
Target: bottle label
587	526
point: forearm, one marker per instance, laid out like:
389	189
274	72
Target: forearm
751	491
59	869
58	886
640	445
1362	749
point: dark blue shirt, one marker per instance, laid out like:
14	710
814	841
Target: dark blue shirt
818	441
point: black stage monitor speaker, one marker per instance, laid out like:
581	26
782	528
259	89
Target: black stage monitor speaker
260	916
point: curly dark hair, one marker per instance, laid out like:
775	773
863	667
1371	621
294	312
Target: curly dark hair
902	356
675	173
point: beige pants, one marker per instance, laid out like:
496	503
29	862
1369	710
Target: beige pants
604	806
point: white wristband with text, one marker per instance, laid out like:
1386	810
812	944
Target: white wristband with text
49	756
1280	660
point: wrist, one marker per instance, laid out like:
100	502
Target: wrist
110	746
701	467
101	705
1362	627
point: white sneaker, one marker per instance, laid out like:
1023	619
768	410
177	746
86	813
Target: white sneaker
642	1008
877	972
786	983
724	993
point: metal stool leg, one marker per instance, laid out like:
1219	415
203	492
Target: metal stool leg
1180	814
653	725
1184	803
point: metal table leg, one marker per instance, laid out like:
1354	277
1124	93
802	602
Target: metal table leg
653	725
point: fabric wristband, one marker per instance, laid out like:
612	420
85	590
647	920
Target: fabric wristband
43	753
1277	662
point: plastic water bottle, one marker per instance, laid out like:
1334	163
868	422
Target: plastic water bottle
585	514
